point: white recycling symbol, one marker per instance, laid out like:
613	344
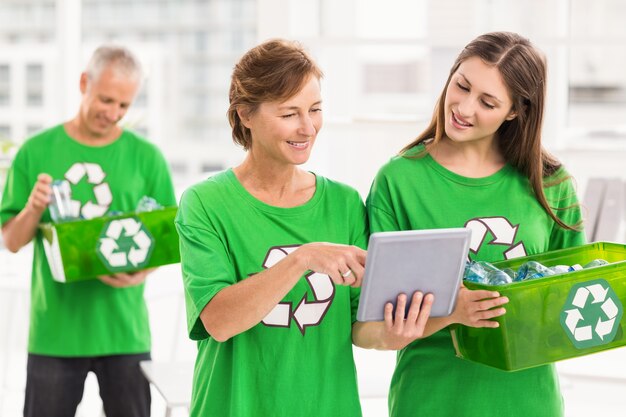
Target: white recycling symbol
136	255
306	313
101	190
503	233
602	327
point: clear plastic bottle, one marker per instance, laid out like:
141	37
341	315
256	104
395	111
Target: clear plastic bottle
532	270
595	262
60	201
485	273
498	278
147	204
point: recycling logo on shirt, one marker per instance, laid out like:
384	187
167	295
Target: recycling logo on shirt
95	177
124	245
305	313
503	233
592	313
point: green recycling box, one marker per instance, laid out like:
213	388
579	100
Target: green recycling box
84	249
553	318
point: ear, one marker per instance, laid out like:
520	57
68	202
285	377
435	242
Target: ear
244	114
512	115
84	79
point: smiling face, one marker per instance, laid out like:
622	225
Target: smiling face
284	132
477	102
105	101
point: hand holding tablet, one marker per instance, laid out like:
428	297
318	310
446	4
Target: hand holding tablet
429	261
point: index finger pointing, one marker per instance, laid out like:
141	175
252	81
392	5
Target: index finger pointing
361	256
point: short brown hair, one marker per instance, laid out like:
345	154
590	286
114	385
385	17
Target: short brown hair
274	70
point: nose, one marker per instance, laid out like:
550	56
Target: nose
114	113
466	105
307	126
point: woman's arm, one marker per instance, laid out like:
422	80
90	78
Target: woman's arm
240	306
473	308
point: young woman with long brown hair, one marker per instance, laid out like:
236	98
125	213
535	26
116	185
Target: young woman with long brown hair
479	164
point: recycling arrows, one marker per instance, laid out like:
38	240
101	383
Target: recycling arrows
95	176
125	245
591	314
503	233
306	313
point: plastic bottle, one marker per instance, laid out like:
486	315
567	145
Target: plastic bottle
596	262
60	201
147	204
498	277
562	269
485	273
532	270
510	272
474	272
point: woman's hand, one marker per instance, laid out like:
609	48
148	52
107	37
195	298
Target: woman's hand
477	308
344	264
398	331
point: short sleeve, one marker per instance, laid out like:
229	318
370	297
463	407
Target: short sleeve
379	206
206	267
161	189
16	190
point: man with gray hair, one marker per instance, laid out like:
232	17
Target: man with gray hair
98	325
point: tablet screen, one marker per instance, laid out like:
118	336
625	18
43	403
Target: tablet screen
431	261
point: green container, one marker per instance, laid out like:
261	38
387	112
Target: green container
84	249
553	318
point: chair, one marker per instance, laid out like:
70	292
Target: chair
170	371
604	203
14	307
173	380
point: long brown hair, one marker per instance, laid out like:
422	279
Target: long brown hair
523	70
274	70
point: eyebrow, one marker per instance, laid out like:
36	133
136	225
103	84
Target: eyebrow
296	107
487	94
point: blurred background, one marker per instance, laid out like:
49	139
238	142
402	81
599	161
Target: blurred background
385	63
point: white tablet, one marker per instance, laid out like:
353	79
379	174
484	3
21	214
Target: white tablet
430	261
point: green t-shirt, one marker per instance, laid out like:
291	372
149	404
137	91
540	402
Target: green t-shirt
298	361
86	318
506	222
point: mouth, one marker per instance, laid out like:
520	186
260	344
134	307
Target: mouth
104	123
298	145
459	122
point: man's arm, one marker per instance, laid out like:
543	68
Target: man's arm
21	229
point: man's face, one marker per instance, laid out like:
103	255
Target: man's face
105	101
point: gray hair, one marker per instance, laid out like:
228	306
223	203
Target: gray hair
123	61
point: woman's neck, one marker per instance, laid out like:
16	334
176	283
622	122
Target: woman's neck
276	185
473	160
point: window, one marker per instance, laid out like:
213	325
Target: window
5	132
31	129
141	100
5	84
34	85
597	86
194	44
382	63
